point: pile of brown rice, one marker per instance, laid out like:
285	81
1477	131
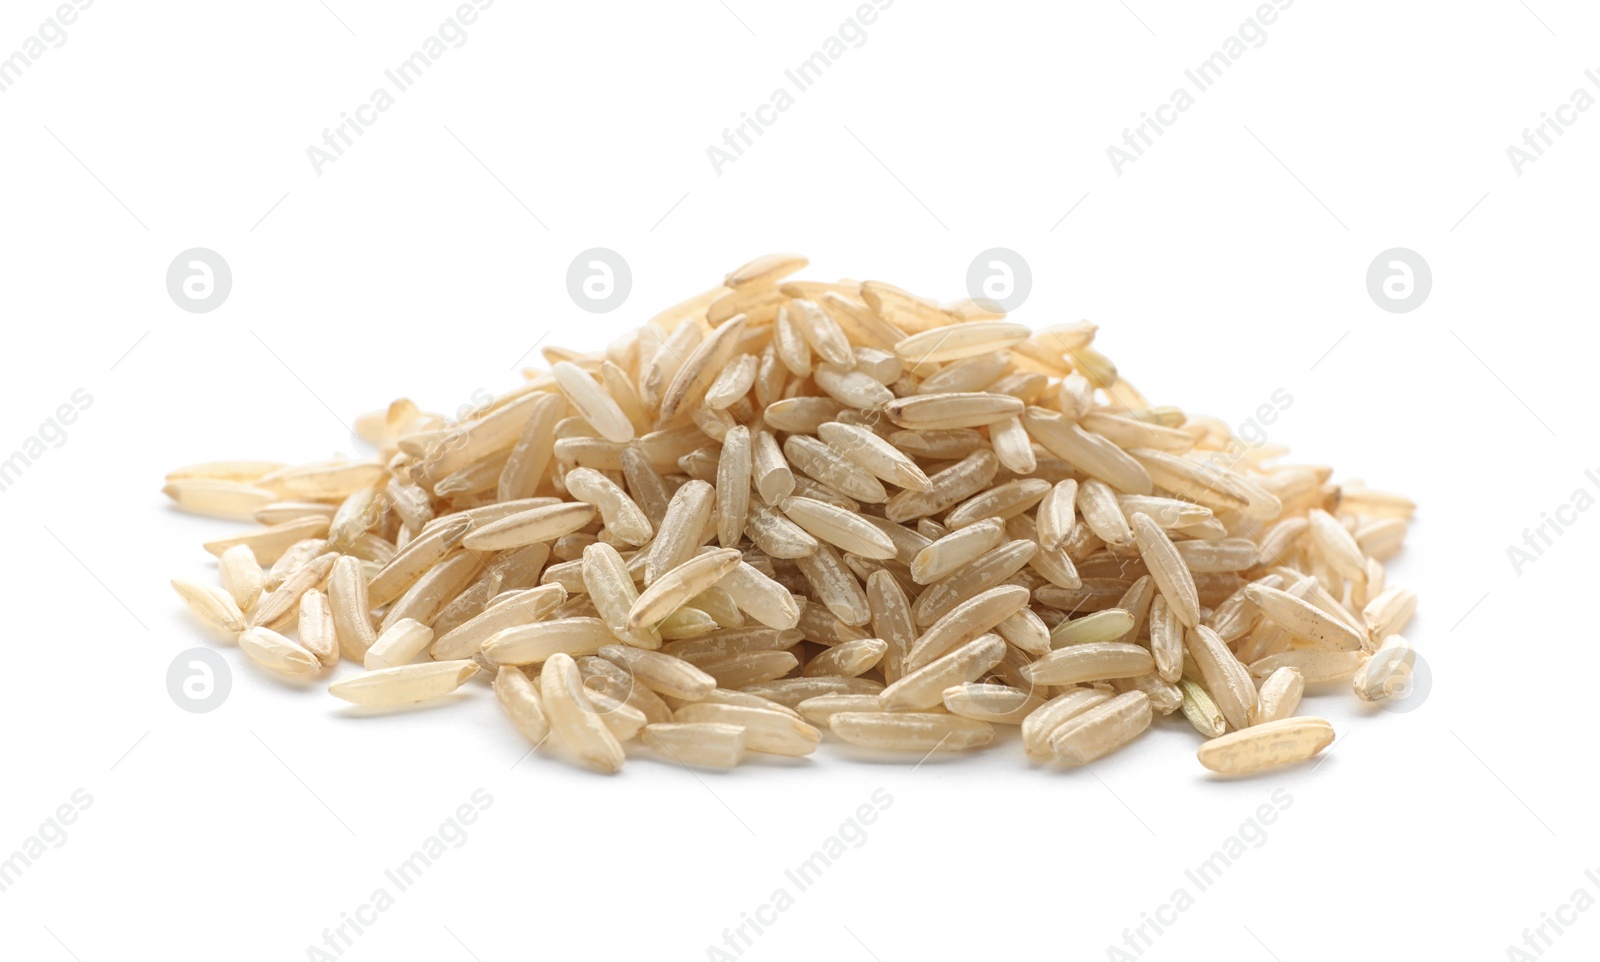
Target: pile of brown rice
782	507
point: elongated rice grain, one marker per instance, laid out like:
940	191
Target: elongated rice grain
1102	729
1268	745
519	698
573	720
911	731
213	605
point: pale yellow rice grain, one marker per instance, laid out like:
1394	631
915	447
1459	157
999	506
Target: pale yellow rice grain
1304	619
520	699
1227	680
573	720
1388	673
911	731
1167	568
765	730
1043	721
399	644
315	628
1269	745
1091	661
1201	711
211	604
270	649
534	643
995	704
680	532
1279	696
733	486
950	553
269	543
621	514
701	744
923	686
1102	729
1111	624
835	586
839	528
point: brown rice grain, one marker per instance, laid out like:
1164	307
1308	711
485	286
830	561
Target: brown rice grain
1111	624
995	704
1089	453
621	514
1268	745
835	586
519	698
573	720
213	605
1166	640
269	543
280	607
792	691
911	731
923	686
681	529
1088	662
1201	711
733	486
532	644
959	409
700	744
1303	619
950	553
399	644
1167	568
662	673
765	730
1387	674
1227	680
270	649
1102	729
761	598
315	628
839	528
1279	696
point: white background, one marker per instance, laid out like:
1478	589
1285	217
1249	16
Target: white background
1226	263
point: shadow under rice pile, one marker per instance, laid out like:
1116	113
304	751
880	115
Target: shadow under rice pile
783	508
